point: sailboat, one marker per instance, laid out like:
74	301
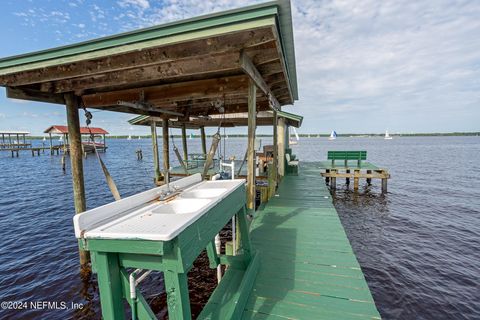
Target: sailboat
190	136
44	139
60	139
387	136
297	138
333	135
139	138
129	137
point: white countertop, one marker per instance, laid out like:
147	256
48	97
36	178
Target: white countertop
153	219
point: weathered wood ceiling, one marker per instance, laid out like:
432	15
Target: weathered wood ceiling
189	77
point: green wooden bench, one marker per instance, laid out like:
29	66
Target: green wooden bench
347	155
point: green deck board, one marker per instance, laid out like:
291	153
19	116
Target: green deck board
325	310
308	269
303	289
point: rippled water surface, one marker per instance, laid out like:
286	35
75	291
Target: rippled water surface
419	245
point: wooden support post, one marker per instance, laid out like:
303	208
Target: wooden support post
204	140
73	123
166	149
333	180
281	147
275	148
156	158
356	178
369	180
347	180
38	152
384	183
184	143
33	153
252	115
327	179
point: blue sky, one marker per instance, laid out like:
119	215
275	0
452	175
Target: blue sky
363	66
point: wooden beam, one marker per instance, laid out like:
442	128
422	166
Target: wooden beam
255	40
208	64
171	93
281	147
251	169
166	149
146	107
75	150
204	140
275	147
156	160
184	143
34	95
249	68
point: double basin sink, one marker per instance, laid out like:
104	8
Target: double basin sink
163	220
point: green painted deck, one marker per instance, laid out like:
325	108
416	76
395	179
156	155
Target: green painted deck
307	267
340	164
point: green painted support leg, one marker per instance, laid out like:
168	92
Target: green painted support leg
244	235
176	286
110	285
212	255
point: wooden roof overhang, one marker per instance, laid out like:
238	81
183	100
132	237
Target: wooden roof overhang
186	68
263	118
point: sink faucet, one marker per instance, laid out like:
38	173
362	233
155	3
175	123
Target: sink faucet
169	193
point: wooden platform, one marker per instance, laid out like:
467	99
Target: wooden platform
307	267
351	164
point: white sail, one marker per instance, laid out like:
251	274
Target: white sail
129	137
387	136
297	138
333	135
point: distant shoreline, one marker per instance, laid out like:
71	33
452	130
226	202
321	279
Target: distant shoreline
310	135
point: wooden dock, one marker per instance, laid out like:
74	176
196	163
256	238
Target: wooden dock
351	170
307	269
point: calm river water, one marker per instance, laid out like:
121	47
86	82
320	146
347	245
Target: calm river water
419	245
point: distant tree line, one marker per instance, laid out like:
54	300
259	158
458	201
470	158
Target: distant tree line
308	135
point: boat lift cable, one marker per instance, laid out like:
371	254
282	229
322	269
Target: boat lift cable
111	184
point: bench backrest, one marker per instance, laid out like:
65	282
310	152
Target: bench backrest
347	155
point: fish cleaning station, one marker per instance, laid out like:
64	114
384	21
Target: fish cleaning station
290	257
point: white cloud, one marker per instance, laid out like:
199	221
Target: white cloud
372	60
141	4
